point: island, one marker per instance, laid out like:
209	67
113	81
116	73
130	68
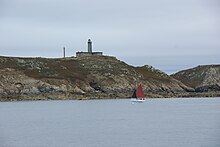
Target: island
96	76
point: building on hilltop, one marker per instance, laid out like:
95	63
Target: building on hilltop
89	53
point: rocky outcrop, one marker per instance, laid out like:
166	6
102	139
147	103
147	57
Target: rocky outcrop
204	78
116	78
88	77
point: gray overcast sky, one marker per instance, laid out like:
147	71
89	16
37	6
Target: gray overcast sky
168	34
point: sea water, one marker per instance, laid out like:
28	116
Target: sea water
189	122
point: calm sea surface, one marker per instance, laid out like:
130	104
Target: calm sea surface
111	123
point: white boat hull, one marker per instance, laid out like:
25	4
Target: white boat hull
138	100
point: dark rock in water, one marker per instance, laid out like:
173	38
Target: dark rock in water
208	88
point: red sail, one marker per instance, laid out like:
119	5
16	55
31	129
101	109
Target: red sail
139	92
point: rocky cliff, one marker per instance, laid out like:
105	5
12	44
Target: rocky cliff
205	78
81	78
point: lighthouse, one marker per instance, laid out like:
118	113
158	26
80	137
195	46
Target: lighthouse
89	46
89	52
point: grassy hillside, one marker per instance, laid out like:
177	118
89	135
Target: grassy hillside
81	78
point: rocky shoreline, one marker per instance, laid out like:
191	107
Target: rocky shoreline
95	77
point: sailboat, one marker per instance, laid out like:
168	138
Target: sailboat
138	94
